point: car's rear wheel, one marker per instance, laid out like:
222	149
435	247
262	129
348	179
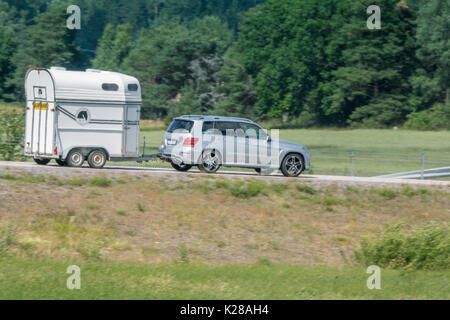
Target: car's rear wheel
97	159
75	158
182	167
292	165
210	161
61	163
41	162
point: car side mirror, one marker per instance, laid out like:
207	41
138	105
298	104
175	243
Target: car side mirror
268	138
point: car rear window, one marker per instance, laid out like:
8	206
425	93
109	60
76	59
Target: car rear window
181	126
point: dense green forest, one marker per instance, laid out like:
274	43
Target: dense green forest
293	62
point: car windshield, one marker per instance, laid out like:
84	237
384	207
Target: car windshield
182	126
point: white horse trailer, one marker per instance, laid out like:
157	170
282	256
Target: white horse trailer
73	116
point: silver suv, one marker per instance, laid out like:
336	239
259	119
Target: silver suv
210	142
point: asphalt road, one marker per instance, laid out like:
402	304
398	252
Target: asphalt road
53	169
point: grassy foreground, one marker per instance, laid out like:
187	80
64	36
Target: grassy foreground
46	279
202	237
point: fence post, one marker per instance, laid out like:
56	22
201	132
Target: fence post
143	150
352	157
423	166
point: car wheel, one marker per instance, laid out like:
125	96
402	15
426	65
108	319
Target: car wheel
97	159
182	167
258	170
292	165
61	163
210	161
41	162
75	158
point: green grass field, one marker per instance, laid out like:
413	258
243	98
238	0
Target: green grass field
46	279
377	152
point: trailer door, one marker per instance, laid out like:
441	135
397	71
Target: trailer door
132	117
40	114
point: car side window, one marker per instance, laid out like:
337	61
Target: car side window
226	127
250	130
207	126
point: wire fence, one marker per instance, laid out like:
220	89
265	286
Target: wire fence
355	163
347	163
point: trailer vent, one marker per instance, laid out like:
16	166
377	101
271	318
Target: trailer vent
132	87
110	87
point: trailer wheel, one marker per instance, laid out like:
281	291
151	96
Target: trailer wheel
61	163
41	162
75	158
97	159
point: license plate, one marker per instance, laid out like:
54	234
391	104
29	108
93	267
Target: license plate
171	142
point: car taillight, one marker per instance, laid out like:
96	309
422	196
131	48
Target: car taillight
55	151
190	141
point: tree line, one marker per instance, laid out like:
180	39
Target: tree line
296	63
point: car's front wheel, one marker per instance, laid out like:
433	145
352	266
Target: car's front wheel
292	165
181	167
210	161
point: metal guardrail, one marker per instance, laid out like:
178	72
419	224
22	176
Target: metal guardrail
421	174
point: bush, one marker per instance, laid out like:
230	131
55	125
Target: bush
306	189
100	181
11	132
427	247
279	188
76	181
435	118
223	184
410	192
90	250
6	238
387	193
248	190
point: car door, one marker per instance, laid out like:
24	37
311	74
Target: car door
256	144
226	141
